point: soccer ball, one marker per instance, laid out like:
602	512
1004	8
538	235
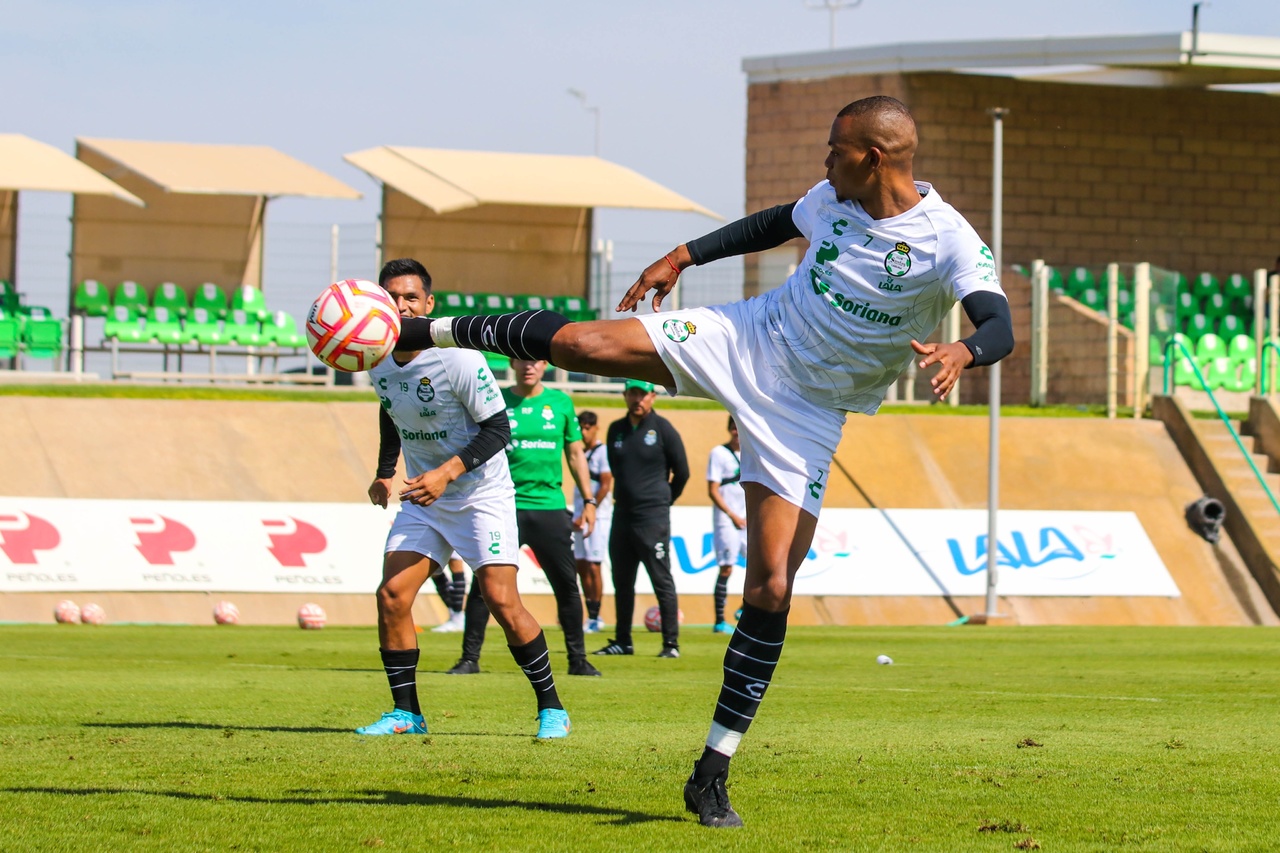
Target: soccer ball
352	325
226	613
92	614
67	612
653	618
311	616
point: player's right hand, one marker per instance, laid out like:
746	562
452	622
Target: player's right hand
660	277
380	492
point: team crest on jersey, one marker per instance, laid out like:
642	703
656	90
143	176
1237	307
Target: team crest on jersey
547	414
651	437
678	331
426	393
898	262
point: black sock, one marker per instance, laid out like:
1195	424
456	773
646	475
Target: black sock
749	662
401	666
593	609
710	765
457	592
526	335
535	660
441	580
722	592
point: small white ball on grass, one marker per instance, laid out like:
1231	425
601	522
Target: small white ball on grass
884	660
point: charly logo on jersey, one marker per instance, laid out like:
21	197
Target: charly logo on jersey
426	392
651	437
678	330
898	261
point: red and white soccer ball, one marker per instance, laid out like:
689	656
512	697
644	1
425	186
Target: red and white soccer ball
92	614
352	325
311	616
67	612
226	613
653	618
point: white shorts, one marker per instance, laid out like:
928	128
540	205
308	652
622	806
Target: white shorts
729	542
723	353
482	532
593	548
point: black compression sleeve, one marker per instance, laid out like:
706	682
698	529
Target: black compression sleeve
755	233
494	434
992	338
388	445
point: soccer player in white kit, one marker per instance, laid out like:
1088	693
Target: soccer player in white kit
887	259
589	551
458	496
728	516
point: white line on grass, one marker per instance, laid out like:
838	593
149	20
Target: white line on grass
1020	693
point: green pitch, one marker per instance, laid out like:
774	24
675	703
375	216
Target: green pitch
975	739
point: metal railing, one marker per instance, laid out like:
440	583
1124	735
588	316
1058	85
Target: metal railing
1204	385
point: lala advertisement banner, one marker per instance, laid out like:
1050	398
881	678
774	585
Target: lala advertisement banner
59	544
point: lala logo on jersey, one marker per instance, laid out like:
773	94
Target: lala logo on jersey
160	537
295	539
22	534
426	393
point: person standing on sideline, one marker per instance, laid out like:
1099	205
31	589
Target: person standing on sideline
452	424
589	549
728	516
887	259
650	471
543	431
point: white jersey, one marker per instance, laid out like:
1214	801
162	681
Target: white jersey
436	402
597	464
725	467
866	287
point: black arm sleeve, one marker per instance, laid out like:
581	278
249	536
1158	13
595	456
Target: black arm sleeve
388	445
755	233
494	434
992	338
677	462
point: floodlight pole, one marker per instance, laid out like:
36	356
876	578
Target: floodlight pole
833	6
595	111
993	402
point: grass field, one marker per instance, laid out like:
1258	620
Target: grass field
175	738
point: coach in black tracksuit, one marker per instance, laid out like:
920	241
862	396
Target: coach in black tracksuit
649	472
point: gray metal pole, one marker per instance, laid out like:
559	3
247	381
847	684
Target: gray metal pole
993	441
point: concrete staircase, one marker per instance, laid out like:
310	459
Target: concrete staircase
1250	497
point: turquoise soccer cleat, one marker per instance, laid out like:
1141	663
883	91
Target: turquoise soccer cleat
722	628
396	722
553	723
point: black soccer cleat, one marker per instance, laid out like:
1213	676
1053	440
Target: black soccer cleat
464	667
711	802
669	652
582	666
616	648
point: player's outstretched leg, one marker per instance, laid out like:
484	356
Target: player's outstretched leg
528	646
403	573
777	542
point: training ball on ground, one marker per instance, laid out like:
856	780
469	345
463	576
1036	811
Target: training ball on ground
92	614
352	325
311	616
226	613
653	618
884	660
67	612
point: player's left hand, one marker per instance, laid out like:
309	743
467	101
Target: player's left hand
425	489
951	358
587	521
660	277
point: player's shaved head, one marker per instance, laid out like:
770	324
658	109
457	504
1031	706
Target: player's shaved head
885	123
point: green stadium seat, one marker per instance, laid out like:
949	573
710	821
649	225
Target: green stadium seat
164	326
91	298
250	300
454	305
1124	301
1184	372
10	334
212	299
1196	325
1242	376
533	302
203	328
1214	306
575	308
129	294
1081	279
172	297
1210	346
1216	371
497	363
1232	325
1056	283
1186	304
1241	347
1126	319
8	297
1021	270
1091	298
123	325
1158	349
243	329
1204	285
281	330
495	303
42	334
1238	287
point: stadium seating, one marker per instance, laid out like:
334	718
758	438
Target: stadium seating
10	332
1081	280
250	300
212	299
1055	280
1210	346
165	327
531	302
1196	325
91	299
495	303
1232	325
1241	347
41	333
281	330
204	329
123	325
8	297
1242	375
172	297
242	328
1205	285
454	304
497	363
129	294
